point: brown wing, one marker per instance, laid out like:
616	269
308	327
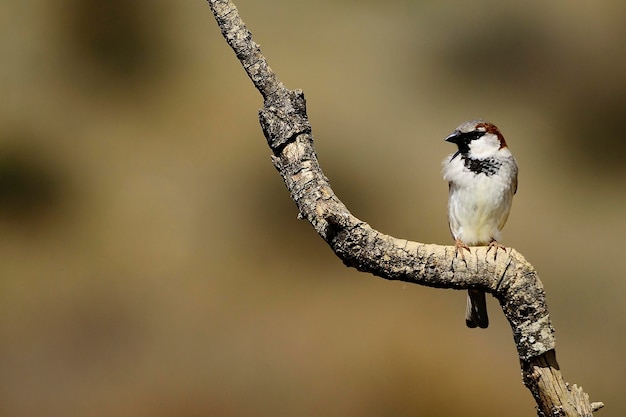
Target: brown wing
505	215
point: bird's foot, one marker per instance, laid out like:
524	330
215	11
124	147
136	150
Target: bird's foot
459	247
495	246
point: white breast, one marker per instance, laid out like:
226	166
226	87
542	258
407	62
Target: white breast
479	205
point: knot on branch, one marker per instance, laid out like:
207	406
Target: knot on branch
283	118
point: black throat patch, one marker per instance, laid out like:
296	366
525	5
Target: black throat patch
487	166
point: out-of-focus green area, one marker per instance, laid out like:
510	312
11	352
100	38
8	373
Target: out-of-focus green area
151	263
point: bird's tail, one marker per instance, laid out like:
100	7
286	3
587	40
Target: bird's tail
476	313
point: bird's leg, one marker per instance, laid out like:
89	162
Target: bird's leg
495	245
459	246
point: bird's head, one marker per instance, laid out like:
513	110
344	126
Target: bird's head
477	139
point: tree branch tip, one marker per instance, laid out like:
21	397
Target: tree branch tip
595	406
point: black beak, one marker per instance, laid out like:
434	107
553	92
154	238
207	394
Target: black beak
454	137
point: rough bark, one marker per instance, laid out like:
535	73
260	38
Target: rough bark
510	278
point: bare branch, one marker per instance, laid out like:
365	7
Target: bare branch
510	278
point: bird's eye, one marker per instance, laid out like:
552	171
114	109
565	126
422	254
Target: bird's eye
473	135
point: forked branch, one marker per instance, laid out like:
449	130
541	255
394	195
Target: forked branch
510	278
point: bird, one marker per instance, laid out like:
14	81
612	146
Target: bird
482	179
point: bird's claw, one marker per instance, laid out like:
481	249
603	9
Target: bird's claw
459	246
495	245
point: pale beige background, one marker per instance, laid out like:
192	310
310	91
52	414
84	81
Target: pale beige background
151	263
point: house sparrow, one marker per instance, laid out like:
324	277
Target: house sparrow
482	178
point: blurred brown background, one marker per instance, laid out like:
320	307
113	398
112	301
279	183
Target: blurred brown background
151	261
